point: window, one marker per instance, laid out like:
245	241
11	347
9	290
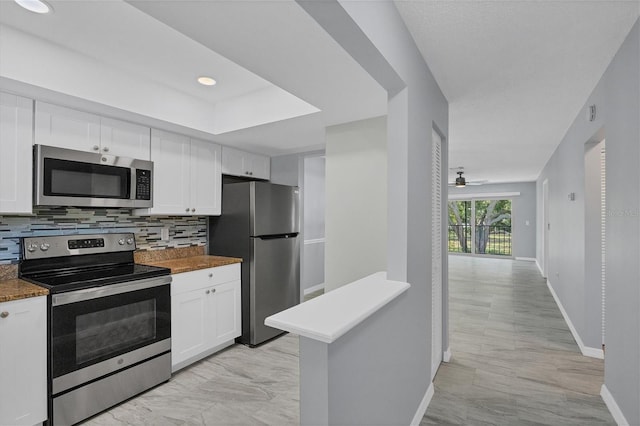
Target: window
480	227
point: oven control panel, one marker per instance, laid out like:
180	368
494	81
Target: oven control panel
70	245
86	243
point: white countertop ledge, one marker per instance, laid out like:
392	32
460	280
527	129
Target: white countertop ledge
327	317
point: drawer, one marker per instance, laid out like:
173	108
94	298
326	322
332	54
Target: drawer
194	280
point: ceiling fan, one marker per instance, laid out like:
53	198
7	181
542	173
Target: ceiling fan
461	181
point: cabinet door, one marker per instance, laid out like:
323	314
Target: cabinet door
170	154
190	328
125	139
16	141
206	178
23	361
227	311
66	128
259	166
234	162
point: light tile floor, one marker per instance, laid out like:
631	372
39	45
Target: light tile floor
238	386
514	361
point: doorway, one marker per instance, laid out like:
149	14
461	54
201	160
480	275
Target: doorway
595	211
436	255
545	227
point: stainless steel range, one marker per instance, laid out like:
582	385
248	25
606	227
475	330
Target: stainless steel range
109	321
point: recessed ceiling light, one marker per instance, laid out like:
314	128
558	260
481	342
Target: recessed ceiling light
206	81
36	6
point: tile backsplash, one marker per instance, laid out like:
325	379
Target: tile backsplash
183	231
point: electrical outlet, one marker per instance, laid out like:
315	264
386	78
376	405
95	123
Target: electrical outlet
164	233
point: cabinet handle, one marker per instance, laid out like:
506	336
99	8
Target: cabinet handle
187	210
105	149
4	314
96	147
210	274
193	210
207	292
213	290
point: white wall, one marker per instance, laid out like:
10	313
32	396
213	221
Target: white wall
617	97
356	197
374	34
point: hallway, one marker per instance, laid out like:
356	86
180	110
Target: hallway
514	360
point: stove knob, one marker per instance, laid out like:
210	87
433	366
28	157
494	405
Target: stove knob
121	241
129	241
32	247
44	246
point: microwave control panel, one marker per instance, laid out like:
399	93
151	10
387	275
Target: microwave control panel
143	184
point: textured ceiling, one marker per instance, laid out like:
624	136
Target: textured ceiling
516	74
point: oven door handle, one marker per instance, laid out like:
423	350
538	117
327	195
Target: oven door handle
108	290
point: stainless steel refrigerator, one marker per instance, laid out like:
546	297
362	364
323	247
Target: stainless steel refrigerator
260	224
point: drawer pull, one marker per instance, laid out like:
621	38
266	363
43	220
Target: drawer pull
210	274
207	292
4	314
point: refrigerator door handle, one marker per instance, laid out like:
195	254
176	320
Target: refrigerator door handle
275	237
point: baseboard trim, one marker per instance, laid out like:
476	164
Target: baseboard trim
313	289
446	356
422	408
528	259
613	407
586	350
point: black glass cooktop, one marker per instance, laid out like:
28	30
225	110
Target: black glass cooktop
64	280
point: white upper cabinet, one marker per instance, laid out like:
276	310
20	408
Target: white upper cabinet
125	139
16	154
206	178
259	166
245	164
187	177
171	155
71	129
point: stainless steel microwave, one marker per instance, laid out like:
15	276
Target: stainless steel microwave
66	177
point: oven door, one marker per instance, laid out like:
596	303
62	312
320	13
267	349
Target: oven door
97	331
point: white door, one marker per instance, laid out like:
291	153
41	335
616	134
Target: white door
545	227
171	176
436	255
16	158
205	178
603	231
125	139
66	128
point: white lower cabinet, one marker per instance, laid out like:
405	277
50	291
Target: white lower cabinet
23	361
205	313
